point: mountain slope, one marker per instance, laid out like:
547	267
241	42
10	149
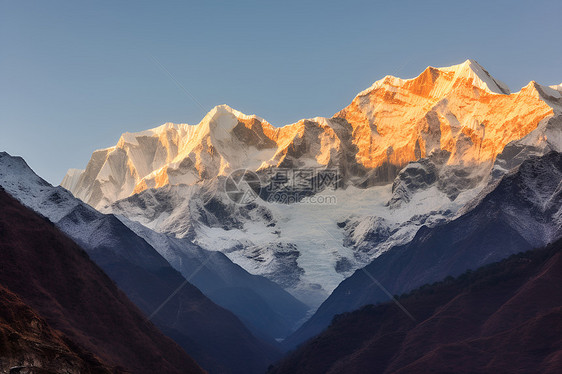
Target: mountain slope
27	341
268	310
521	211
503	318
54	276
212	335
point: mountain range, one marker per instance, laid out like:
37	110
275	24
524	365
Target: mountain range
407	153
239	240
214	336
460	109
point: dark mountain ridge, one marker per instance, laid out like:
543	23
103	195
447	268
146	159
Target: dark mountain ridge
55	277
212	335
505	317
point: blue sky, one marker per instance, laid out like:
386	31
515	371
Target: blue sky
75	75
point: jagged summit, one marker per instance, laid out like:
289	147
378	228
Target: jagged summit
216	120
131	137
460	109
470	69
226	109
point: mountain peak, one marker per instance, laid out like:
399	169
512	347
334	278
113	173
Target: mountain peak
14	168
470	69
131	137
226	109
481	78
218	117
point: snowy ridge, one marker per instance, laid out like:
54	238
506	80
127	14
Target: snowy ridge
22	183
390	81
132	137
394	122
470	69
481	78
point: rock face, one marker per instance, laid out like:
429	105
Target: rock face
505	317
55	277
459	109
519	212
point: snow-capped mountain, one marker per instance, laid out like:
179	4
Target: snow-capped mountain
519	212
299	246
459	109
215	337
408	153
211	271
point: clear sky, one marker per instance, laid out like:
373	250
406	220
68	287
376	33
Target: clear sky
75	75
